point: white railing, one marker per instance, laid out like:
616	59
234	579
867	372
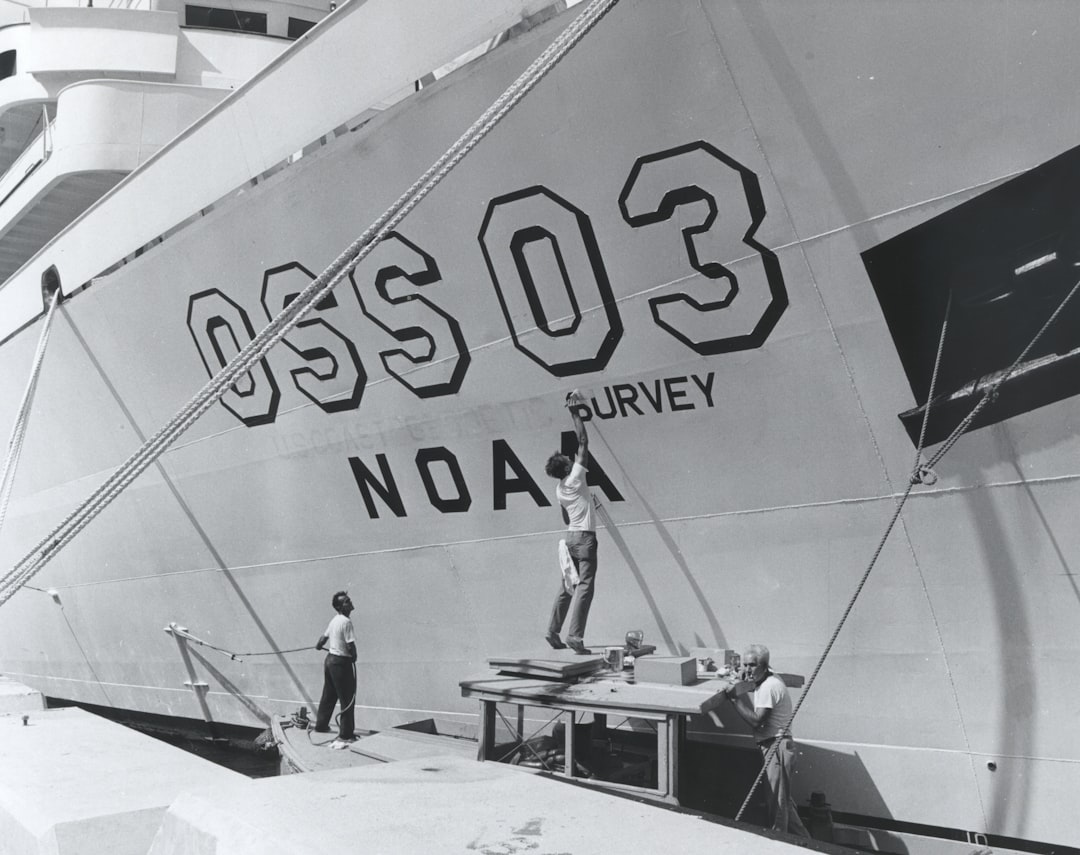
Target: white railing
32	157
101	125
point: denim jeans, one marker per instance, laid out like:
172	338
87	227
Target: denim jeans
582	547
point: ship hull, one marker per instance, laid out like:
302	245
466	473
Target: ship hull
674	222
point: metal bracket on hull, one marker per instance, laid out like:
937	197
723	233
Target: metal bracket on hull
197	686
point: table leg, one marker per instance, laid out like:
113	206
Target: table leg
676	741
569	750
663	756
487	730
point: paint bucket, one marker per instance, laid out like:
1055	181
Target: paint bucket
613	657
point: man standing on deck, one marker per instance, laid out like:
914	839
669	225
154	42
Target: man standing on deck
768	711
339	672
577	510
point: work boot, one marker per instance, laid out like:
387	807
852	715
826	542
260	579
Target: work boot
554	640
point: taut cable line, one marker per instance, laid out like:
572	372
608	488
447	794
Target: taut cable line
233	655
919	475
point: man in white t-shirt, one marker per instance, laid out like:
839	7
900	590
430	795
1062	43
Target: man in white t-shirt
339	672
768	711
577	509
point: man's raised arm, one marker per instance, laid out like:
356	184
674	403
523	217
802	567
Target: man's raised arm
574	401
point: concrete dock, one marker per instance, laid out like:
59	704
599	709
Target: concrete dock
17	698
72	783
443	804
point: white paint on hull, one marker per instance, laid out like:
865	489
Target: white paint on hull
748	520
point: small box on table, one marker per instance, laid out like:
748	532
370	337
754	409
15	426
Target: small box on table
673	670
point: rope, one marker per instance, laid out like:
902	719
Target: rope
183	633
352	703
22	418
314	293
238	657
918	475
923	472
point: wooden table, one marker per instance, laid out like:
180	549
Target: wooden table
667	706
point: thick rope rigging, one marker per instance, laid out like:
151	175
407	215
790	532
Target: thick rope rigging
314	293
280	326
22	417
236	657
921	473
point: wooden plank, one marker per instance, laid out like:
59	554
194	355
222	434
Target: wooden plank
548	673
609	694
557	663
565	656
308	751
404	745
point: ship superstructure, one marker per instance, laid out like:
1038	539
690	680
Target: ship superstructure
88	94
739	229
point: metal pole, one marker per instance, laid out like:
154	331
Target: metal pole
197	686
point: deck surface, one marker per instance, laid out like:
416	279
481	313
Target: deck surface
311	752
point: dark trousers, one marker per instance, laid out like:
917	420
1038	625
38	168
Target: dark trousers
582	548
339	686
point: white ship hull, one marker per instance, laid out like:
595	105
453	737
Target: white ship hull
751	447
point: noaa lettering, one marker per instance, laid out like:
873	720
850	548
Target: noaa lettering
595	476
450	495
384	485
456	504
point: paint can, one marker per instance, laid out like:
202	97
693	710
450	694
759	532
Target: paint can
613	657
